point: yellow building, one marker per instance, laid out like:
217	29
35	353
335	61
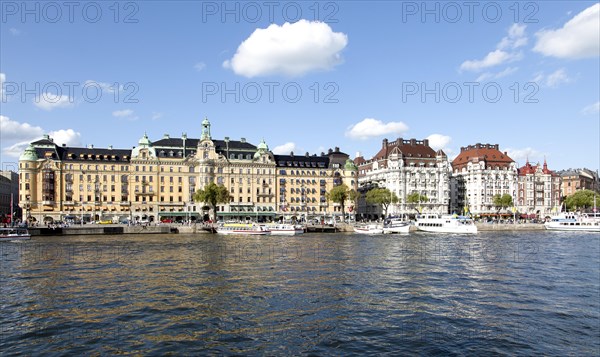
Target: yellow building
157	180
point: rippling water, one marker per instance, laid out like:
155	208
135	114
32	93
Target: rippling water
324	294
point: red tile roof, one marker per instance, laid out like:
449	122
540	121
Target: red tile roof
490	154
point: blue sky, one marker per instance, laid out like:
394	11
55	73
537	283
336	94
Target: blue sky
524	75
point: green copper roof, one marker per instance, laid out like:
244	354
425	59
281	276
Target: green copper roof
29	154
145	141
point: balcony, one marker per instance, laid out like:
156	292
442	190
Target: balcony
48	203
68	203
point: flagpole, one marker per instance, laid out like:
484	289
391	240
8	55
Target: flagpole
12	217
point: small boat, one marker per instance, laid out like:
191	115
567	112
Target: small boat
283	229
14	233
437	223
369	229
242	229
396	225
571	221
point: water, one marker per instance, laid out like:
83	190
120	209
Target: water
526	293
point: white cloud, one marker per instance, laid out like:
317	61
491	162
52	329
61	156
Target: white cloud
515	39
591	109
285	149
199	66
14	31
156	115
11	130
49	101
369	128
489	75
290	50
552	80
16	136
492	59
504	52
439	141
522	155
578	38
122	113
68	137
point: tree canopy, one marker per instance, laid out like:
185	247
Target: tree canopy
383	197
415	199
502	201
213	194
340	194
582	199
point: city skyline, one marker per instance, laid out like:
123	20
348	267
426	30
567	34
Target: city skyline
362	74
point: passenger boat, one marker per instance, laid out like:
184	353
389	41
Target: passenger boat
369	229
571	221
283	229
14	233
437	223
242	229
396	225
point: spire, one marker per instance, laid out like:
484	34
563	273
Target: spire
205	130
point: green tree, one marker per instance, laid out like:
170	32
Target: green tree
212	194
415	200
582	199
340	194
383	197
502	201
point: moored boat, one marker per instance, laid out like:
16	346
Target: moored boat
572	221
14	233
437	223
242	229
369	229
283	229
396	225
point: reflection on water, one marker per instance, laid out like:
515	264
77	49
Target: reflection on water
326	294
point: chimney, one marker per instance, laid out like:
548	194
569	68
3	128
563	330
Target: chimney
243	140
330	151
291	153
358	154
90	146
413	142
478	146
110	147
64	145
307	154
337	149
384	143
166	136
426	142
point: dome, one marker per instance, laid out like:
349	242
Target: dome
263	146
29	154
144	140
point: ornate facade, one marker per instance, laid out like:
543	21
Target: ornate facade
405	167
538	191
157	180
479	172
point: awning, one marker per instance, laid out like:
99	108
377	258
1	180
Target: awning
178	214
247	214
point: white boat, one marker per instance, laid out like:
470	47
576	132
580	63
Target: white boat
396	225
242	229
283	229
571	221
369	229
437	223
14	233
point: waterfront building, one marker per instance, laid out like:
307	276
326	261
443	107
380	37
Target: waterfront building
539	191
405	167
479	172
9	195
304	181
157	180
574	180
